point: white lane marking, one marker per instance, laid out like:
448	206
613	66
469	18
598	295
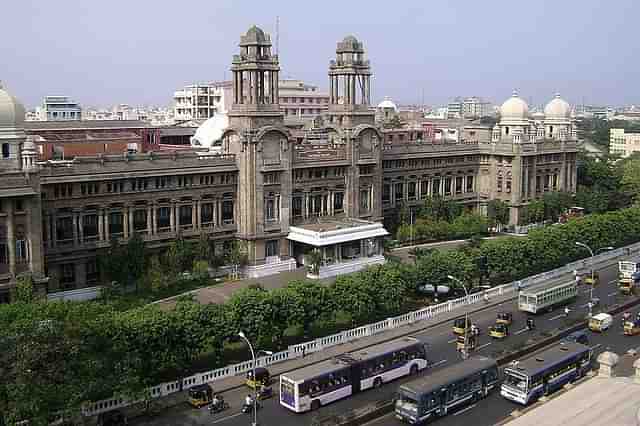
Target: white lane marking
612	281
612	294
483	346
521	331
452	340
226	418
464	410
435	364
596	346
585	305
556	317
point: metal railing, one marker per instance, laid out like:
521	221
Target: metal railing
319	344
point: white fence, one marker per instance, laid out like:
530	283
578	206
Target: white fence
79	295
319	344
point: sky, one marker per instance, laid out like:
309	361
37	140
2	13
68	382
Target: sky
140	51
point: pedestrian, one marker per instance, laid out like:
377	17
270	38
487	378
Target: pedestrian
566	311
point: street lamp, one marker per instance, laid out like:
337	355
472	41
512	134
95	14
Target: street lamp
578	243
255	388
466	313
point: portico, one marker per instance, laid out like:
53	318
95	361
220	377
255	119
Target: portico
345	246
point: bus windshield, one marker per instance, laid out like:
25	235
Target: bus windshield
407	403
514	381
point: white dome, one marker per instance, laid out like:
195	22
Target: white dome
514	108
210	132
387	103
558	108
11	111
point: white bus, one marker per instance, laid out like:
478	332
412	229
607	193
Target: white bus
542	373
311	387
546	296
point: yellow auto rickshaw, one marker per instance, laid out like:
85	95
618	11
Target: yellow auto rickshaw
588	280
200	395
505	318
459	325
631	328
263	378
471	342
499	331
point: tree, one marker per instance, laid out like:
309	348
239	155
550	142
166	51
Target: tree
203	250
498	212
555	203
237	257
630	180
24	289
535	211
134	259
438	208
313	261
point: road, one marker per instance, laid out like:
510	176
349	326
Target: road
442	352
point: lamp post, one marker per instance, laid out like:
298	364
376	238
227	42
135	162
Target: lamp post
466	313
255	388
578	243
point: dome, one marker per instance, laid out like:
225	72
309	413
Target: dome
209	134
558	108
350	39
11	111
514	108
387	103
255	34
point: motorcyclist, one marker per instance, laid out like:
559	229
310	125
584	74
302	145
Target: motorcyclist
486	297
215	402
566	311
577	277
248	401
530	324
474	330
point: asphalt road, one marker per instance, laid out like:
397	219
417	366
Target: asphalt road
442	352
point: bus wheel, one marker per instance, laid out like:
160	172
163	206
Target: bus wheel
315	404
377	382
413	370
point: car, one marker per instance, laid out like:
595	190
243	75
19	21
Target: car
577	337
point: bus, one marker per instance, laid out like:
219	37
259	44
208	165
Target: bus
311	387
547	296
542	373
434	395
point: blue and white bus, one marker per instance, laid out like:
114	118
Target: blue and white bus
542	373
311	387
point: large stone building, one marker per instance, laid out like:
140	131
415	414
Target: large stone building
283	191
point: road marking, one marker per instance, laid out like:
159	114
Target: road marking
226	418
483	346
452	340
464	410
435	364
521	331
612	294
596	346
556	317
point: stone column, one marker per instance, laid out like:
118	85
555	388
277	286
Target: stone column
172	218
11	240
306	205
81	228
215	213
74	218
154	219
107	232
198	214
100	225
149	221
194	211
131	228
125	222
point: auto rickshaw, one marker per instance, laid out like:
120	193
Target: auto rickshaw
592	281
200	395
499	331
459	325
631	328
505	318
471	342
263	378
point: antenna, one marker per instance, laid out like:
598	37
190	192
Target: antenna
277	35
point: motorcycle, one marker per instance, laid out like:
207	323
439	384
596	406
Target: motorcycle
219	407
248	408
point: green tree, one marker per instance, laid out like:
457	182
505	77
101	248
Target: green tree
24	291
498	213
535	211
556	203
203	249
237	257
631	177
313	261
436	207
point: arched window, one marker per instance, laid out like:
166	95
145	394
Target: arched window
5	150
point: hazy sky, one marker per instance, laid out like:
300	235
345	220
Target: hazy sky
140	51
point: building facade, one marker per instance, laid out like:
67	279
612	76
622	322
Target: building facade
201	101
622	143
58	108
301	101
282	191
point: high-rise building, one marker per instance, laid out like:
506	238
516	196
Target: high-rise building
475	107
622	143
301	101
58	108
199	102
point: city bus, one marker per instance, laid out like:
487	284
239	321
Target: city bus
436	394
545	297
542	373
311	387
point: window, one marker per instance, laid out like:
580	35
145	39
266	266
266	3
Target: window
140	220
271	248
64	229
227	212
458	184
508	186
5	150
68	276
271	207
271	178
399	191
21	250
499	184
435	190
447	186
115	223
164	217
386	193
469	183
424	189
206	213
364	200
411	188
90	226
338	201
185	215
92	272
297	206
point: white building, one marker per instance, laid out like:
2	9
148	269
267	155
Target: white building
301	101
622	143
475	107
58	108
200	102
